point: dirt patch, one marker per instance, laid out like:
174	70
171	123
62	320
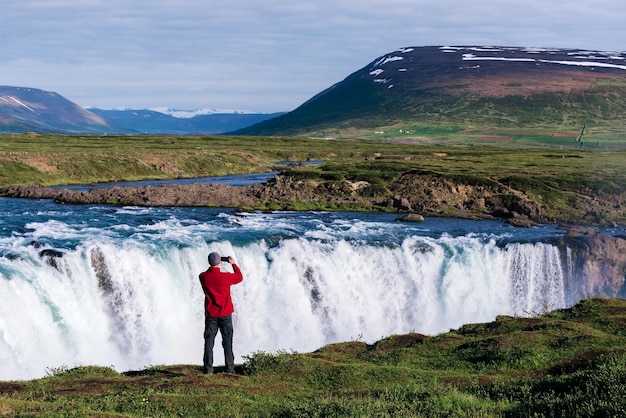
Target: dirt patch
42	164
524	83
357	185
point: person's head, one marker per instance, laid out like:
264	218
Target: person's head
214	259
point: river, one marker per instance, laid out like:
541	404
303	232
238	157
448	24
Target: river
118	286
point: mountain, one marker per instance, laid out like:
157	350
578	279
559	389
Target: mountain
25	109
157	122
496	86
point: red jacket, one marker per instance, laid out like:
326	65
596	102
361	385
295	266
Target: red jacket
216	285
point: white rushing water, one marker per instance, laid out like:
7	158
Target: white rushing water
128	296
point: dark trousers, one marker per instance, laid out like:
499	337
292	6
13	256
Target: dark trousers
225	326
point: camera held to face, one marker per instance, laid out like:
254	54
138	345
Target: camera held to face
225	259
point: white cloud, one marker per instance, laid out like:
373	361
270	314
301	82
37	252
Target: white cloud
264	56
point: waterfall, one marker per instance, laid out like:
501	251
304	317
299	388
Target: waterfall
134	303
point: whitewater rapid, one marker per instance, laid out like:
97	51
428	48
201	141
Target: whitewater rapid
123	291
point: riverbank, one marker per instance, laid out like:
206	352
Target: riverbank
517	184
283	194
424	194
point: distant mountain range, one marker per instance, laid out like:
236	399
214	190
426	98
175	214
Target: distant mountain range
511	87
467	85
24	109
154	122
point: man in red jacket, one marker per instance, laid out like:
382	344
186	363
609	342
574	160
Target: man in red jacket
219	310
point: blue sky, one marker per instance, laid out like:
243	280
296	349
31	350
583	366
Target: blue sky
261	56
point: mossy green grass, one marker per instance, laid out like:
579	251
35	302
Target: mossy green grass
60	160
564	363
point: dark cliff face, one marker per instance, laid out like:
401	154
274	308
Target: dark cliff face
598	263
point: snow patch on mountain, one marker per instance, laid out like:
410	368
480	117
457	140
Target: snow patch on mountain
472	57
385	60
582	58
186	114
12	100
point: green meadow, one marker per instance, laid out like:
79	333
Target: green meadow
61	160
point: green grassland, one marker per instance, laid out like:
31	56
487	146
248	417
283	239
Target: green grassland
60	160
604	138
566	363
572	182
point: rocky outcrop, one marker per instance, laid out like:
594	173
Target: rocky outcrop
279	193
170	195
433	195
411	217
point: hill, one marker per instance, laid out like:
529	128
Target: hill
565	363
510	87
25	109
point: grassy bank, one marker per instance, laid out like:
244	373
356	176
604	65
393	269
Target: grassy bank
566	363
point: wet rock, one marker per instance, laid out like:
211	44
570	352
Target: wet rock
51	257
51	253
410	217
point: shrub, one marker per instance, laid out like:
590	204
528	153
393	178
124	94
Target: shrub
332	176
262	361
374	190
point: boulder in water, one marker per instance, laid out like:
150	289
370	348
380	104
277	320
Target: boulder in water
411	217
